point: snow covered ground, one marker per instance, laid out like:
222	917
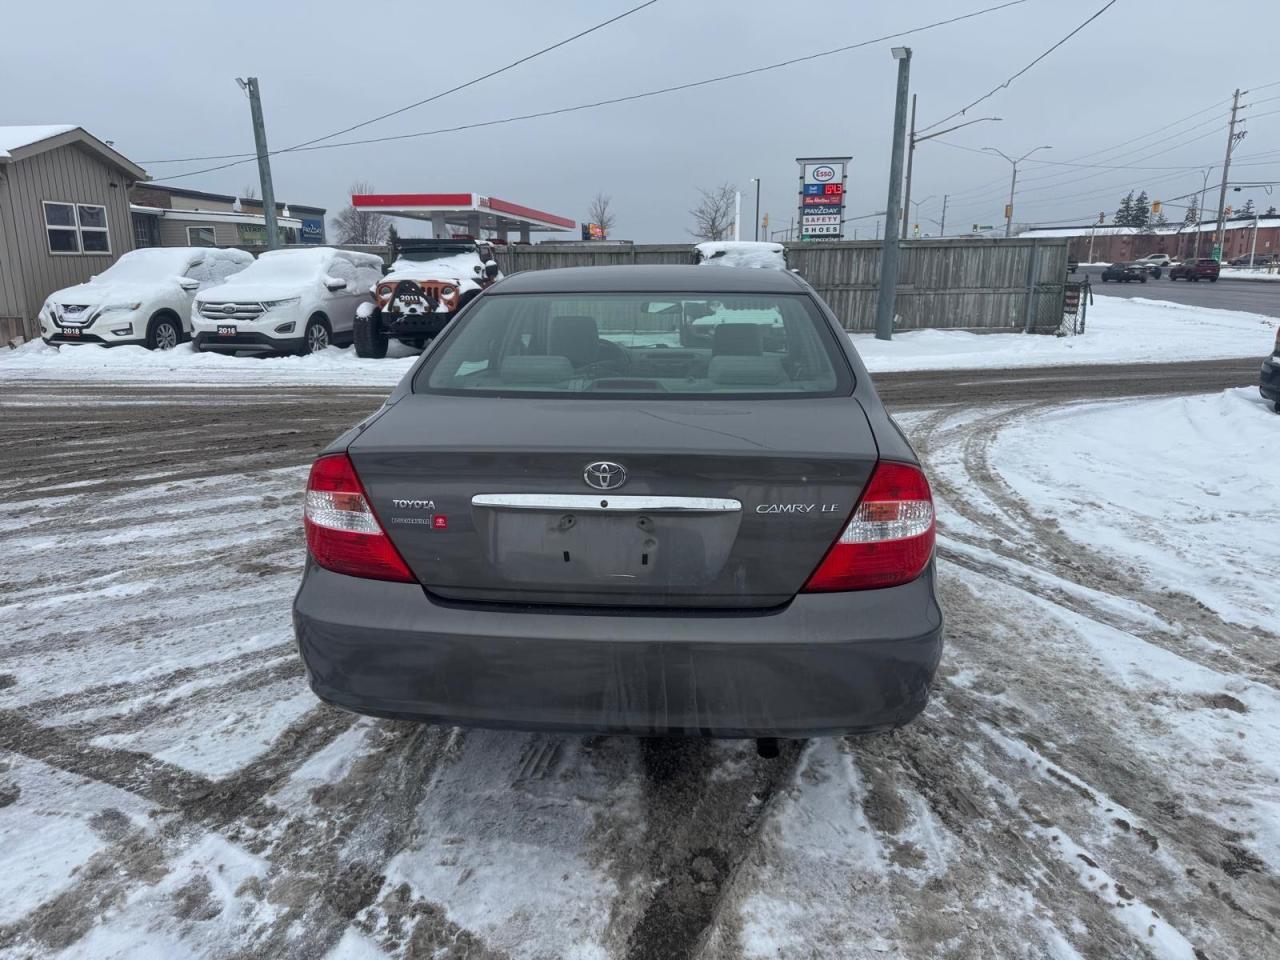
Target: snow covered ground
1119	331
1244	273
1097	775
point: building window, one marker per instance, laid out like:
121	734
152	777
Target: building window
146	230
76	227
200	237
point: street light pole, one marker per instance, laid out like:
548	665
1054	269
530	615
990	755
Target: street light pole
756	181
250	86
918	204
888	292
1013	182
1195	250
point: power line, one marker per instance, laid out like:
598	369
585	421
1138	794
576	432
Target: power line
243	158
444	93
1107	6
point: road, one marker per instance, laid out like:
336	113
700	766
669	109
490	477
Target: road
155	721
1226	294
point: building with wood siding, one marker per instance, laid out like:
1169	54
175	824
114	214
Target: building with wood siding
165	216
64	216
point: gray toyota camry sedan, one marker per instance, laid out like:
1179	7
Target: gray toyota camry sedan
643	500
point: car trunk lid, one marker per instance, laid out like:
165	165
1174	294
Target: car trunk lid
725	503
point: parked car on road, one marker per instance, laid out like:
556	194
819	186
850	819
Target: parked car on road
561	521
288	301
1269	382
1256	260
143	298
1124	272
428	282
1205	268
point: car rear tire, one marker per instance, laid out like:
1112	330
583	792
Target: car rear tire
164	332
317	336
371	341
1213	279
1142	279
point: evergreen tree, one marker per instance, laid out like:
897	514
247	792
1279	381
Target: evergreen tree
1193	213
1160	220
1245	212
1124	213
1140	215
1270	211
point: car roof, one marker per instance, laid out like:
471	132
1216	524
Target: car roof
650	279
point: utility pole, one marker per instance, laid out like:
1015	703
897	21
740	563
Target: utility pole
1232	139
1013	182
912	140
264	161
885	301
942	226
1253	248
911	153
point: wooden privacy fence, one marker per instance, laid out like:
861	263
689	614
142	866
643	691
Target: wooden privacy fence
975	284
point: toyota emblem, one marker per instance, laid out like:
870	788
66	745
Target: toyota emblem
604	475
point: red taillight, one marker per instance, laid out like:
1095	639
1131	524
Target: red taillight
889	538
343	534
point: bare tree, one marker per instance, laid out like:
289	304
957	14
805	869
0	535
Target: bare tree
249	192
599	212
713	216
354	225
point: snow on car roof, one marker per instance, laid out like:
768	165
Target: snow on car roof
15	138
458	266
743	253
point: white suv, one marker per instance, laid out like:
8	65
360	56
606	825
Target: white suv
289	301
142	298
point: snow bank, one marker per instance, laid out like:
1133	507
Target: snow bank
1244	273
1180	488
183	365
1119	330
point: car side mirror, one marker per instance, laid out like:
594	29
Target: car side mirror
334	284
188	284
491	270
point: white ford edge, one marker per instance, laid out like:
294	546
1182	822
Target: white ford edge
288	301
143	298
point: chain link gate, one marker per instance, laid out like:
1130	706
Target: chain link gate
1076	297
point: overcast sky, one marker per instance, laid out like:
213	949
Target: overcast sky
158	80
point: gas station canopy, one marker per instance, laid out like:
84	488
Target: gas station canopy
471	211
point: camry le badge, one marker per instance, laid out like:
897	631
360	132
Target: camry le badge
604	475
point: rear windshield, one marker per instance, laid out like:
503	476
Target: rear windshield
640	345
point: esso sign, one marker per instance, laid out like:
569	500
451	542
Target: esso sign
824	174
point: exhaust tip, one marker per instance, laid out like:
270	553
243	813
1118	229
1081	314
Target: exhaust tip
767	747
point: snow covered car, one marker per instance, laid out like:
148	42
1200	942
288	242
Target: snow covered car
741	253
1269	382
429	281
288	301
143	298
559	522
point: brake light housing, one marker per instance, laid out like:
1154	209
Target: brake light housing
343	532
889	538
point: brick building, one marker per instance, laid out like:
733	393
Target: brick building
1107	244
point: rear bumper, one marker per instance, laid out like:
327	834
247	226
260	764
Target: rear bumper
1269	380
824	664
